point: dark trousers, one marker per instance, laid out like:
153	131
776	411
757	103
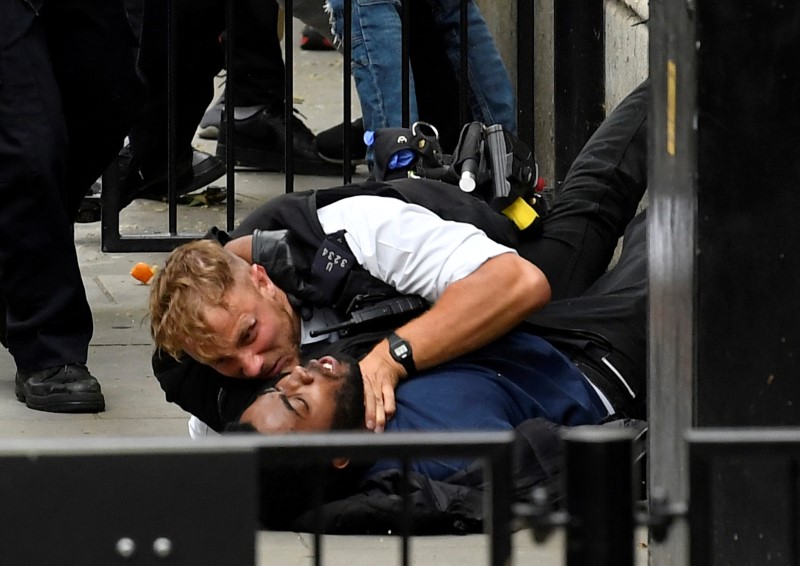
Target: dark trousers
67	90
199	55
599	317
597	200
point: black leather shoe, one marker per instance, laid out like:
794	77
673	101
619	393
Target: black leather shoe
64	389
260	141
194	171
330	143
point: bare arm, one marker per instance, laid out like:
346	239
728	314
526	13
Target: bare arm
470	313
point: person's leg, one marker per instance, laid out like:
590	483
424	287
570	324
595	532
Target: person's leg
376	31
36	246
257	64
134	10
48	317
258	59
100	90
199	57
435	86
491	95
604	330
598	199
259	96
435	83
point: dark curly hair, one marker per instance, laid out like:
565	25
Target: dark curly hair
349	413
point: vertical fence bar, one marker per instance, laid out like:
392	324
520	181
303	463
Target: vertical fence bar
230	113
599	490
579	74
319	499
288	105
172	121
405	525
110	199
498	502
525	69
463	90
404	62
347	141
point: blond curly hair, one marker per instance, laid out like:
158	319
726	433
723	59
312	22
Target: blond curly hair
196	277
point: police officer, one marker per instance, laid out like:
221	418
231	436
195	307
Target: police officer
67	92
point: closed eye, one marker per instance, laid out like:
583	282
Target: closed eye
247	334
285	400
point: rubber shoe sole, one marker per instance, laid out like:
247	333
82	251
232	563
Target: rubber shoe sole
64	402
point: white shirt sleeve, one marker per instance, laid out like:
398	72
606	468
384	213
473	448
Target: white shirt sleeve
199	429
408	246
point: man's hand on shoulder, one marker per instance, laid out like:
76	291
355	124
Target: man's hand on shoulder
381	375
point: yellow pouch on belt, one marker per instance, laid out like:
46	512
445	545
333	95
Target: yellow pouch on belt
521	213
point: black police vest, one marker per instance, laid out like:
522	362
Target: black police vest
295	239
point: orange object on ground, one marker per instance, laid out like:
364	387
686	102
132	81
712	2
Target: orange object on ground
143	272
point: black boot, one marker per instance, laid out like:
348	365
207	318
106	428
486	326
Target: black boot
330	143
64	389
195	169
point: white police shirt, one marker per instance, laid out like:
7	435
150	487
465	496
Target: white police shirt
405	245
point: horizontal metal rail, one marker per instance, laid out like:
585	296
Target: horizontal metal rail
92	456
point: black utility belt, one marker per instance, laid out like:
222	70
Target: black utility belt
619	401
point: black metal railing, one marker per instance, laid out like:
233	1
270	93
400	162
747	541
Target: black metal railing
578	75
494	448
195	502
745	502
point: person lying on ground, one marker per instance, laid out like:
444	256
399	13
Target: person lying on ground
522	382
217	317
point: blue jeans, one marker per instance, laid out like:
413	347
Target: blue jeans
376	36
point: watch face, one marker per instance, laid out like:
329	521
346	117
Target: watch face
401	350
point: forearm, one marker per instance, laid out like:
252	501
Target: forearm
472	312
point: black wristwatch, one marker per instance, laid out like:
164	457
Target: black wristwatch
401	353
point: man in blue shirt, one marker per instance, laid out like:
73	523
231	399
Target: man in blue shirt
497	387
518	377
535	379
